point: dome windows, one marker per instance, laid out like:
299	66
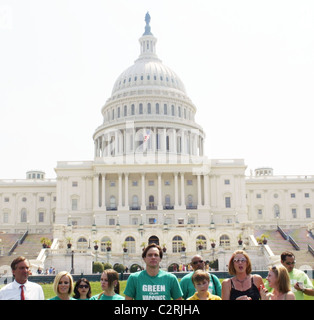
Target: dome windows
163	109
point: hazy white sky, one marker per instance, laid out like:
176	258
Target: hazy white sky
248	67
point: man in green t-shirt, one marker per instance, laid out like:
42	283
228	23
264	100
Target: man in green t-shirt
152	283
187	285
300	282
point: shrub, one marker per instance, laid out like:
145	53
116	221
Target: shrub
98	267
119	267
134	268
107	266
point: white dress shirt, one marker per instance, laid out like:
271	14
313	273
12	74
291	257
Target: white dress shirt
12	291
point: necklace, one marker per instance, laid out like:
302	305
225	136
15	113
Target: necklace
242	281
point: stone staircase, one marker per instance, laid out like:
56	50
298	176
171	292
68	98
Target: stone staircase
30	248
278	244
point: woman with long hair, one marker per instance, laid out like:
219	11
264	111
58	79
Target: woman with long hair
110	285
278	279
63	286
244	285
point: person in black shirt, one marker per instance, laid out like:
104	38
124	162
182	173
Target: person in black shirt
243	286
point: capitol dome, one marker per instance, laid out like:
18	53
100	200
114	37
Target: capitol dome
148	100
147	73
147	70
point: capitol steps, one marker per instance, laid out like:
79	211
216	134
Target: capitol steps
278	244
30	247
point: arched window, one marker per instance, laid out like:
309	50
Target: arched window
149	108
130	244
157	108
201	243
23	215
82	244
176	244
224	241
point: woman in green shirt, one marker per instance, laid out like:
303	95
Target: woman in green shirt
63	286
82	289
110	285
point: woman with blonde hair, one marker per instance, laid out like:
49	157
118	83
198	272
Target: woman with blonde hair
278	279
63	286
243	286
110	285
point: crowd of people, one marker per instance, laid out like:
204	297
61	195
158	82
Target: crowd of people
283	282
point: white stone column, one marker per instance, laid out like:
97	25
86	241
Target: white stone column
143	206
176	193
182	191
199	191
159	192
103	188
96	191
126	190
206	191
120	192
83	193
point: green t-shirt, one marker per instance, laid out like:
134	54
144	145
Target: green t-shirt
57	298
163	286
104	297
188	288
297	275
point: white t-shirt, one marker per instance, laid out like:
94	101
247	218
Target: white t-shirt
12	291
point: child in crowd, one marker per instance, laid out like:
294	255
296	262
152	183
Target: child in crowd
201	281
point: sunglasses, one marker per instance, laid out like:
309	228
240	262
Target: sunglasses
199	261
242	260
290	263
81	286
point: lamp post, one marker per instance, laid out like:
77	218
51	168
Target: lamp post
72	262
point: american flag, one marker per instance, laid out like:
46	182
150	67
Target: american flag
147	136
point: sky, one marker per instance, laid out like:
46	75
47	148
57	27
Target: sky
248	67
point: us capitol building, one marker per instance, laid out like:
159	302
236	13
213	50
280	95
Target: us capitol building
150	181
